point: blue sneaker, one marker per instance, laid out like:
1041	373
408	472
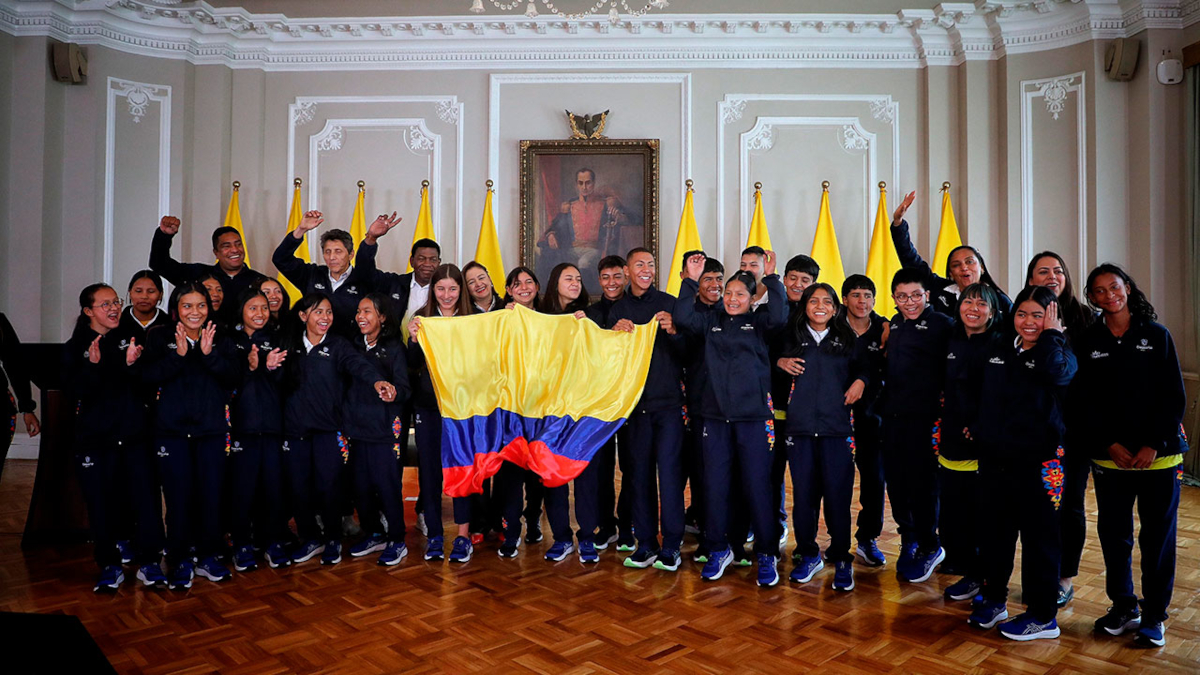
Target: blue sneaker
277	556
870	553
368	545
963	589
461	550
750	537
332	554
1119	621
715	567
559	551
307	550
668	560
804	570
125	550
243	559
904	563
110	579
1151	635
151	576
641	558
435	549
987	615
182	575
210	568
843	576
587	552
923	565
768	572
1025	628
392	554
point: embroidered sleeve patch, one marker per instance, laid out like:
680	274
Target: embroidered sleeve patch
1052	480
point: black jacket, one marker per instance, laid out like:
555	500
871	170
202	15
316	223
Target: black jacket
177	273
313	278
872	341
664	383
314	401
916	369
367	417
257	406
131	327
105	396
13	372
695	375
965	356
943	294
396	286
193	390
1130	390
1021	406
737	387
600	312
816	398
777	344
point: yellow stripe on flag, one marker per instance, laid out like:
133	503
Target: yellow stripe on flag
425	223
948	238
294	218
358	222
759	236
688	239
882	260
487	250
825	247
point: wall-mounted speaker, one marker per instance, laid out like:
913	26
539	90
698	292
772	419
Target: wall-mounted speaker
68	61
1120	59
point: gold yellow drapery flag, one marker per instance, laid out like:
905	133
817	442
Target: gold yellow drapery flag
882	261
487	250
358	222
294	218
948	238
233	218
825	247
759	236
425	224
688	239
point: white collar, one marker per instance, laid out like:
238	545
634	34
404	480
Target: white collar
415	284
818	336
308	346
367	342
345	275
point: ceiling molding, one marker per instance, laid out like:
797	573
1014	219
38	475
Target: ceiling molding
948	34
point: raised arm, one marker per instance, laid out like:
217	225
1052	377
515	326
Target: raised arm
160	254
296	270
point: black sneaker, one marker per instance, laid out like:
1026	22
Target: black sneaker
1119	621
508	549
1065	595
641	558
1151	635
667	561
533	534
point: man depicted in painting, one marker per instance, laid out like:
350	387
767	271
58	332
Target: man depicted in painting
586	228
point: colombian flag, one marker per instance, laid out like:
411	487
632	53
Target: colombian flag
544	392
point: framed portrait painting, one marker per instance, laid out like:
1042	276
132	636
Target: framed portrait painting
582	200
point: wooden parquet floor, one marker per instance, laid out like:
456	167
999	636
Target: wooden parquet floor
527	615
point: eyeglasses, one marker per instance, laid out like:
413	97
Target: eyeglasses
110	304
905	297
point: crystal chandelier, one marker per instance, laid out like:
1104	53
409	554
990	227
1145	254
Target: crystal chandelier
615	8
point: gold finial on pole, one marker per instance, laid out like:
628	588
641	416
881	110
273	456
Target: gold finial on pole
689	183
757	187
945	186
237	185
424	184
825	185
489	184
297	182
362	186
882	185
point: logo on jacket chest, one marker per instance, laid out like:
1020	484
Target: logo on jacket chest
747	327
715	329
996	360
352	290
395	296
324	351
921	325
123	344
951	356
1099	355
1144	346
319	286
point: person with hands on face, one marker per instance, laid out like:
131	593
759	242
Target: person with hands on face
1019	428
111	454
656	423
194	370
1136	450
964	264
820	433
317	367
739	424
338	278
230	270
256	438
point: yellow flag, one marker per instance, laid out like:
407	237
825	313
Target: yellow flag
948	238
302	252
358	222
425	223
688	239
233	218
882	261
487	250
758	225
825	248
